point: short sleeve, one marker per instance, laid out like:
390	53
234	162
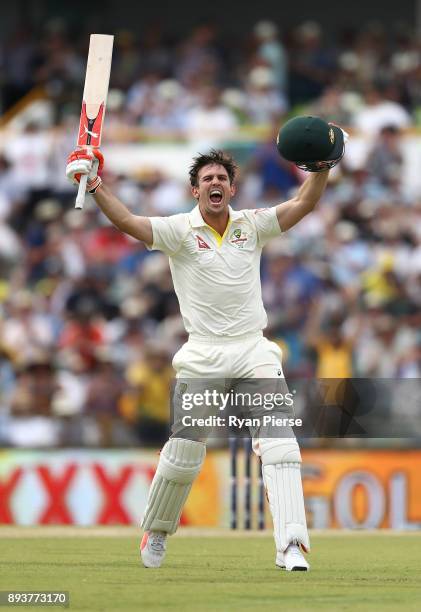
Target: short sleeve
168	233
267	224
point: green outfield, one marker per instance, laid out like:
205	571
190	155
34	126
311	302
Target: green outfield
102	572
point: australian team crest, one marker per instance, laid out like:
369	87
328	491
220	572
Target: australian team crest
238	238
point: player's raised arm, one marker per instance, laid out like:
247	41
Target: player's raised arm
315	146
310	192
83	162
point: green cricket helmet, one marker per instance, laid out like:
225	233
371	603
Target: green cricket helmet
311	143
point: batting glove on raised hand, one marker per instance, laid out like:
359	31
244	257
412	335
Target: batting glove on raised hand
82	161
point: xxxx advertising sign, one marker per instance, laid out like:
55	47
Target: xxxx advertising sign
343	488
91	488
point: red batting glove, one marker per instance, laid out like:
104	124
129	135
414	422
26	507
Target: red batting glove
82	161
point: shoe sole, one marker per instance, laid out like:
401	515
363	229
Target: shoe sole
296	568
150	566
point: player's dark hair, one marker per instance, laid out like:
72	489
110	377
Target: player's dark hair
214	156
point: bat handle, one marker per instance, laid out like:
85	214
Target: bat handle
80	198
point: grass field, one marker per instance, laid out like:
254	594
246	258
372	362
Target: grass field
223	572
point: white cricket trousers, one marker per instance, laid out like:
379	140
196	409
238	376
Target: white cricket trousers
247	356
248	364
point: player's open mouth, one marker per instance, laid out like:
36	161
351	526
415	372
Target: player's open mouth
215	196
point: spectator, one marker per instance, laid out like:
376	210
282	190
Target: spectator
383	347
385	162
30	154
31	422
332	348
264	103
19	59
270	51
312	65
269	176
288	289
209	120
380	110
28	330
147	404
332	106
103	394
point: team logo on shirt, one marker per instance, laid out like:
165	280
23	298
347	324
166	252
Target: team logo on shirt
238	238
201	244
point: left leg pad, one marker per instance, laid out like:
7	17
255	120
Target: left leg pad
281	469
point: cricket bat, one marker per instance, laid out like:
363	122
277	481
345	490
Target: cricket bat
97	79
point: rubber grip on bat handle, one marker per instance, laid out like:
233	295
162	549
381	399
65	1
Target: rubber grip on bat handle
80	198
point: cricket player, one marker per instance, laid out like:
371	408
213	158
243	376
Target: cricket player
214	253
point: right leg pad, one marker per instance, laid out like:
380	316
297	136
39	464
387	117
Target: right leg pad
179	464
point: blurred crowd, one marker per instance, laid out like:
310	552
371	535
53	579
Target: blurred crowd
89	319
206	81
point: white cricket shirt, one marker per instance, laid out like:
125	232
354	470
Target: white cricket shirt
217	278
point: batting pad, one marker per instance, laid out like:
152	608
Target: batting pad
281	469
179	464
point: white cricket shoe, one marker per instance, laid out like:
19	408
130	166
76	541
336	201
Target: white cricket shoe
153	548
292	559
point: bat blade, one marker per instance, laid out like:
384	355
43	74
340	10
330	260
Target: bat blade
94	97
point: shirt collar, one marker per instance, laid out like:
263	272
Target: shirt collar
196	218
